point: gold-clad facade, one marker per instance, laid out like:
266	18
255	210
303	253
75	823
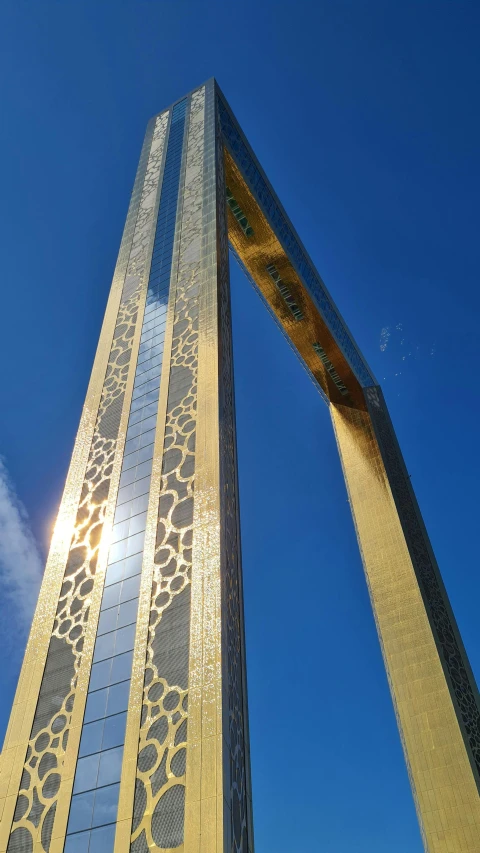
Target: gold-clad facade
129	730
444	787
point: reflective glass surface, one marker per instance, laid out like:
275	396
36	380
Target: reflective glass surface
91	827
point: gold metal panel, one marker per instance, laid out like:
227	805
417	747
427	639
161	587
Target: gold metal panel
446	796
256	253
204	789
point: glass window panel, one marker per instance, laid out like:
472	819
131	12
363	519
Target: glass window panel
111	595
81	811
115	573
125	639
127	613
121	667
151	397
161	276
146	338
145	347
108	621
100	675
150	409
147	437
134	427
152	384
142	483
137	403
102	839
137	523
133	565
150	372
114	731
132	444
130	588
110	769
142	471
159	338
120	531
77	843
140	504
96	705
123	512
106	801
86	773
148	331
156	351
129	462
118	550
145	453
152	363
118	698
145	359
136	414
135	543
127	477
91	741
104	647
125	494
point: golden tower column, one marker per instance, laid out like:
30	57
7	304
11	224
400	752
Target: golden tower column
433	690
432	687
186	778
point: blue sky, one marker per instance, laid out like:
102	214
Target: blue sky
364	116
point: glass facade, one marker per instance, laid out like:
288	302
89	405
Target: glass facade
93	812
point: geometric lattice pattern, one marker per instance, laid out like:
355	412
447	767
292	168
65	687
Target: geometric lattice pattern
41	778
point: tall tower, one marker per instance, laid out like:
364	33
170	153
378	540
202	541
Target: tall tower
129	727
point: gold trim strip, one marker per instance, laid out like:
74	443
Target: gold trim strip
204	776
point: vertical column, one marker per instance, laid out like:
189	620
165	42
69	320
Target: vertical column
25	702
93	812
205	772
162	733
74	576
440	761
218	815
238	828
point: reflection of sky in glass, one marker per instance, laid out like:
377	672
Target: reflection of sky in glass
97	776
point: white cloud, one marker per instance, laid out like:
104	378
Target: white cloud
21	565
384	336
